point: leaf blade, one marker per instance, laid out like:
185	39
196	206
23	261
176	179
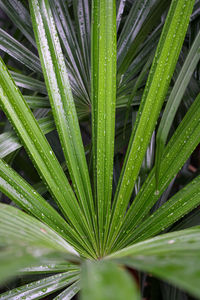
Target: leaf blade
63	106
103	105
163	256
184	141
175	99
15	107
155	91
41	288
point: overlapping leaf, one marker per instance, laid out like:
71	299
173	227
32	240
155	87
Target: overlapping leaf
173	257
63	106
154	94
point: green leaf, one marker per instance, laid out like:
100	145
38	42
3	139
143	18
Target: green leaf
69	292
12	260
18	228
137	84
63	106
37	102
103	105
154	94
15	49
50	266
173	257
16	109
25	241
175	99
41	288
184	141
26	197
104	280
173	242
175	208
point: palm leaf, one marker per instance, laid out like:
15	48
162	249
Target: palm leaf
62	104
103	105
154	94
102	280
15	227
175	208
69	292
175	99
41	288
26	197
39	150
184	141
173	257
50	266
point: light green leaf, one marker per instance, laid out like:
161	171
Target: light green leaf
18	228
174	242
173	257
12	260
69	292
25	241
50	266
105	280
41	288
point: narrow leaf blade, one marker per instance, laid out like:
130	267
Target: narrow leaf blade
103	105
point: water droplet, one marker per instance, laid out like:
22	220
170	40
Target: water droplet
171	242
